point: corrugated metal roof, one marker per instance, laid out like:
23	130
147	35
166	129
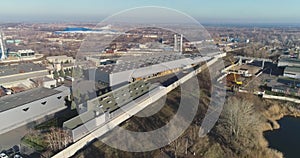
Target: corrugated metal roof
292	69
147	61
110	102
22	98
21	68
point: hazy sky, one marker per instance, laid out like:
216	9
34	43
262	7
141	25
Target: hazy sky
220	11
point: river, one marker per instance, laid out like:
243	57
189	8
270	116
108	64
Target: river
287	138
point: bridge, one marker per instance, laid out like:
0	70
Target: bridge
140	104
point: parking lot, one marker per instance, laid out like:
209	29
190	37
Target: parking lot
13	152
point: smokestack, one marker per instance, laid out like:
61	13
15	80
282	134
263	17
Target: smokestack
181	42
3	56
175	43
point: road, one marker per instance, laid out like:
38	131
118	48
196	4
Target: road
13	137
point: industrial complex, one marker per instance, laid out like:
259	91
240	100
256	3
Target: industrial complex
44	92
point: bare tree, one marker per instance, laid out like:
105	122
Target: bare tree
58	139
239	124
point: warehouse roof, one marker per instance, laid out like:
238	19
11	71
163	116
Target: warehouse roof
110	102
20	68
145	61
290	60
22	98
292	69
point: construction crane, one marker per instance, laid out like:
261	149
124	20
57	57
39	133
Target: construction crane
234	75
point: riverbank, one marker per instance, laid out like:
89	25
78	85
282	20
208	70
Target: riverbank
286	139
274	111
218	142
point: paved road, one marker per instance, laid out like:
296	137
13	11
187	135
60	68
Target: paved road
9	139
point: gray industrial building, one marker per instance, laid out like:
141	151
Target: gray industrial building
292	72
290	62
18	72
286	90
101	109
143	67
25	107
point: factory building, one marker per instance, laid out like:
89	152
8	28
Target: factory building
44	82
286	90
98	61
292	72
60	59
25	107
127	71
20	72
25	53
101	109
290	62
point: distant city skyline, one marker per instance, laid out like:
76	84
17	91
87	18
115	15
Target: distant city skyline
205	11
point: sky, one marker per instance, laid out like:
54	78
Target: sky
214	11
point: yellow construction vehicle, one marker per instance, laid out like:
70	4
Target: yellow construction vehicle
235	80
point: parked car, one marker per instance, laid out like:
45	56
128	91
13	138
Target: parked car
9	152
3	155
16	149
18	156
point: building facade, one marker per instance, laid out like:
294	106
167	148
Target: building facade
127	71
25	107
292	72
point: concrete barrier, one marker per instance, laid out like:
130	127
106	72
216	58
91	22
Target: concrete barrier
266	96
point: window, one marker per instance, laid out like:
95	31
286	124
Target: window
44	102
290	74
104	98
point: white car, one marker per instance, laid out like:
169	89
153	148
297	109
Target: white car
18	156
3	155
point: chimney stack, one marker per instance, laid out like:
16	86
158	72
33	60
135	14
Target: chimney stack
3	56
175	43
178	43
